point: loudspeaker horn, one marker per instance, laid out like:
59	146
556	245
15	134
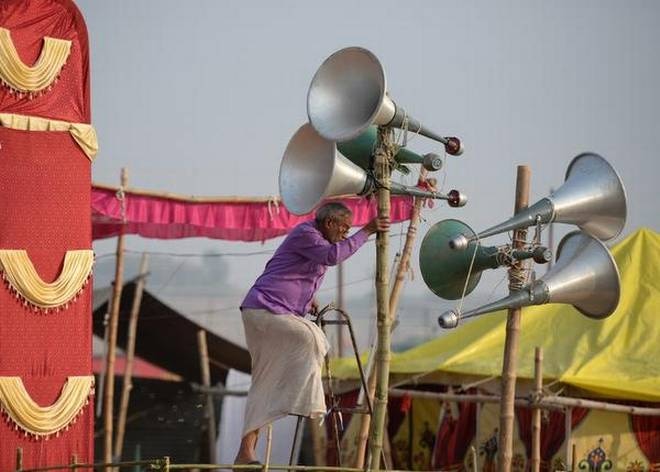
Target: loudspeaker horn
585	276
349	93
359	151
312	170
592	197
448	273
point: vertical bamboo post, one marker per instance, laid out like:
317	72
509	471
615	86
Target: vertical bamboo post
365	420
206	381
130	356
269	446
477	430
19	459
318	446
509	364
536	411
108	394
571	465
340	305
384	153
568	432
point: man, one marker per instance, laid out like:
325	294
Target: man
287	350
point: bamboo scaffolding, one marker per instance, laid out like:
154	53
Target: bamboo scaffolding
383	155
108	394
365	420
130	356
510	361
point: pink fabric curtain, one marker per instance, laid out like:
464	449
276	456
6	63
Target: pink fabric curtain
171	218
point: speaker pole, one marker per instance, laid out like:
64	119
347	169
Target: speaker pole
383	157
509	365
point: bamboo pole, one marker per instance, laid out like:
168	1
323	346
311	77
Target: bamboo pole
505	442
568	432
206	381
340	305
384	153
318	446
552	402
571	466
269	447
204	199
365	420
536	413
108	394
130	356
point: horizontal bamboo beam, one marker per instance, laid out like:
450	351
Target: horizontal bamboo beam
548	402
197	199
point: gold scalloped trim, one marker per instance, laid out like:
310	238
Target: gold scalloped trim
30	80
23	279
83	133
42	422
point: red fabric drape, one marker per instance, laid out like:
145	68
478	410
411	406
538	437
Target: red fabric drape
46	210
454	437
647	432
553	431
169	218
28	21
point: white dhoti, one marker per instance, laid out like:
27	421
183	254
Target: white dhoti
287	357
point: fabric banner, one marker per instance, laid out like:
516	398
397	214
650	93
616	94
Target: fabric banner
160	217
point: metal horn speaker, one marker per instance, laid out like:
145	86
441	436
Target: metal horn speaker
592	197
349	93
445	271
448	273
585	276
359	151
312	170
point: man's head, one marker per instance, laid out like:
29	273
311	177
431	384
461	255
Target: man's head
334	220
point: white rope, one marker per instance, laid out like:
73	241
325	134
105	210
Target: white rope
477	243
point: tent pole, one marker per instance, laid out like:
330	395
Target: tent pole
383	156
516	280
568	428
130	356
365	420
536	412
206	381
108	394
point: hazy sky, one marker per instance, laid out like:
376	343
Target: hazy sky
201	97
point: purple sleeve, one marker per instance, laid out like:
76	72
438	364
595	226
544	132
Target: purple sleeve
315	247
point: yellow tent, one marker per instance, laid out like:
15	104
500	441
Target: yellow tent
618	357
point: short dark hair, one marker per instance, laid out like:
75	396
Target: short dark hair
331	210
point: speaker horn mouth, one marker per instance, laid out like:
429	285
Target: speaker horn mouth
608	286
346	94
305	170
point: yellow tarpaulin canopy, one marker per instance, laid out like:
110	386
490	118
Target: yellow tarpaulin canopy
617	357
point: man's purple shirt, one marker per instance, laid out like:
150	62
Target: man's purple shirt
296	270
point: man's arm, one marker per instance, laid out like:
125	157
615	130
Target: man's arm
315	247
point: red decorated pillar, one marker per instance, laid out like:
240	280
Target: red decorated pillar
46	148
